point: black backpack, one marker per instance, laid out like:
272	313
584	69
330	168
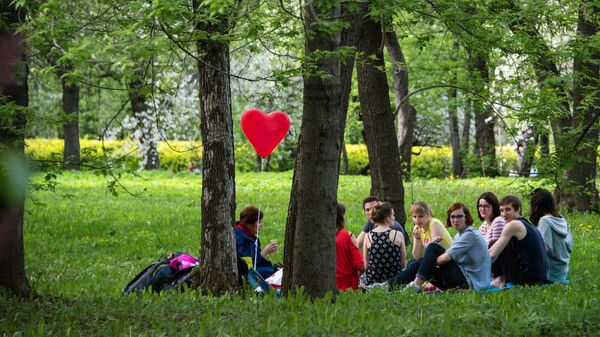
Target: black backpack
158	276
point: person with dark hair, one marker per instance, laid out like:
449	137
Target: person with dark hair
368	203
248	244
519	256
466	264
349	263
384	251
555	231
488	210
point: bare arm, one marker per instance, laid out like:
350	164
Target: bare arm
436	232
398	238
443	259
417	244
353	239
360	239
365	248
514	228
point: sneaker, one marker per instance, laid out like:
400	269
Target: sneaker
414	287
362	281
376	285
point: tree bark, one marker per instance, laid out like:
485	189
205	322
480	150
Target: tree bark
70	102
579	191
317	168
457	165
13	183
485	143
138	96
466	134
378	119
218	270
407	115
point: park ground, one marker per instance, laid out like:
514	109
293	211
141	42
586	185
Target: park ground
82	245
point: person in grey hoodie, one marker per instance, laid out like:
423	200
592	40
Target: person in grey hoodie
555	232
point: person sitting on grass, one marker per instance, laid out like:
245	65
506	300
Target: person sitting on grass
368	203
519	256
555	232
383	251
466	264
427	229
349	263
488	210
248	244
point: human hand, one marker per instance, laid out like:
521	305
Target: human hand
437	239
416	232
270	248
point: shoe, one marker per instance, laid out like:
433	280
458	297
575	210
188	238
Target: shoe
376	285
414	287
362	281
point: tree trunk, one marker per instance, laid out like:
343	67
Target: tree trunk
457	165
407	114
70	102
378	119
344	159
466	134
13	182
485	143
579	191
218	270
141	111
348	38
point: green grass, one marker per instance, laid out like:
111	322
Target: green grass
81	251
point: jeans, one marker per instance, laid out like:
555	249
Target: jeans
507	264
445	276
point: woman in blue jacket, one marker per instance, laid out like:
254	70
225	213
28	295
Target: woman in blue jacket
248	244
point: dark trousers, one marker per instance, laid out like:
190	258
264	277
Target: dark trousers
445	276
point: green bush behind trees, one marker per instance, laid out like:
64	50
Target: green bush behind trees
180	156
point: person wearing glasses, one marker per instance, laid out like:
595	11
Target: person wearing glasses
488	210
466	264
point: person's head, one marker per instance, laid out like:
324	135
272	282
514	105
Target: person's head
341	217
542	203
420	213
368	203
382	213
250	218
488	207
459	217
510	208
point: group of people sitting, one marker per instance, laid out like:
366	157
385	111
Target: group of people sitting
507	248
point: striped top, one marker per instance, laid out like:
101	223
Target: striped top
491	232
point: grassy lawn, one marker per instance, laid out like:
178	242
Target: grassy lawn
81	251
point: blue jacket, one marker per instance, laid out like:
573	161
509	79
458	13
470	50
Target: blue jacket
245	246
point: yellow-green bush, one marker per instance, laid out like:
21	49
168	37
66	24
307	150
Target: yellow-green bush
430	162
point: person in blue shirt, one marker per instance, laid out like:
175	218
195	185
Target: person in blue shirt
248	244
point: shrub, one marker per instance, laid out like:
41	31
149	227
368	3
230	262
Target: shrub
178	156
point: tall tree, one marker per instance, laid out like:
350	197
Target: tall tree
13	101
407	114
313	202
579	191
485	143
218	270
457	164
378	117
70	104
138	97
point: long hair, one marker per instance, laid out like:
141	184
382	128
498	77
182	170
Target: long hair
491	199
250	215
454	207
542	203
421	208
341	212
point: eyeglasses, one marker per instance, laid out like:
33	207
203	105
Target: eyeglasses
457	216
484	206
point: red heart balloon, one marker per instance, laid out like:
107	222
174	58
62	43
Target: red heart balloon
264	131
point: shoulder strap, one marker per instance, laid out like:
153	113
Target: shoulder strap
395	233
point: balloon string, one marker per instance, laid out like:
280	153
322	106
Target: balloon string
262	162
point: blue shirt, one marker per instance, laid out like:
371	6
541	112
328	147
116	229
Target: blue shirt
469	250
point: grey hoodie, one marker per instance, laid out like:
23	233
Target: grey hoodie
559	242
